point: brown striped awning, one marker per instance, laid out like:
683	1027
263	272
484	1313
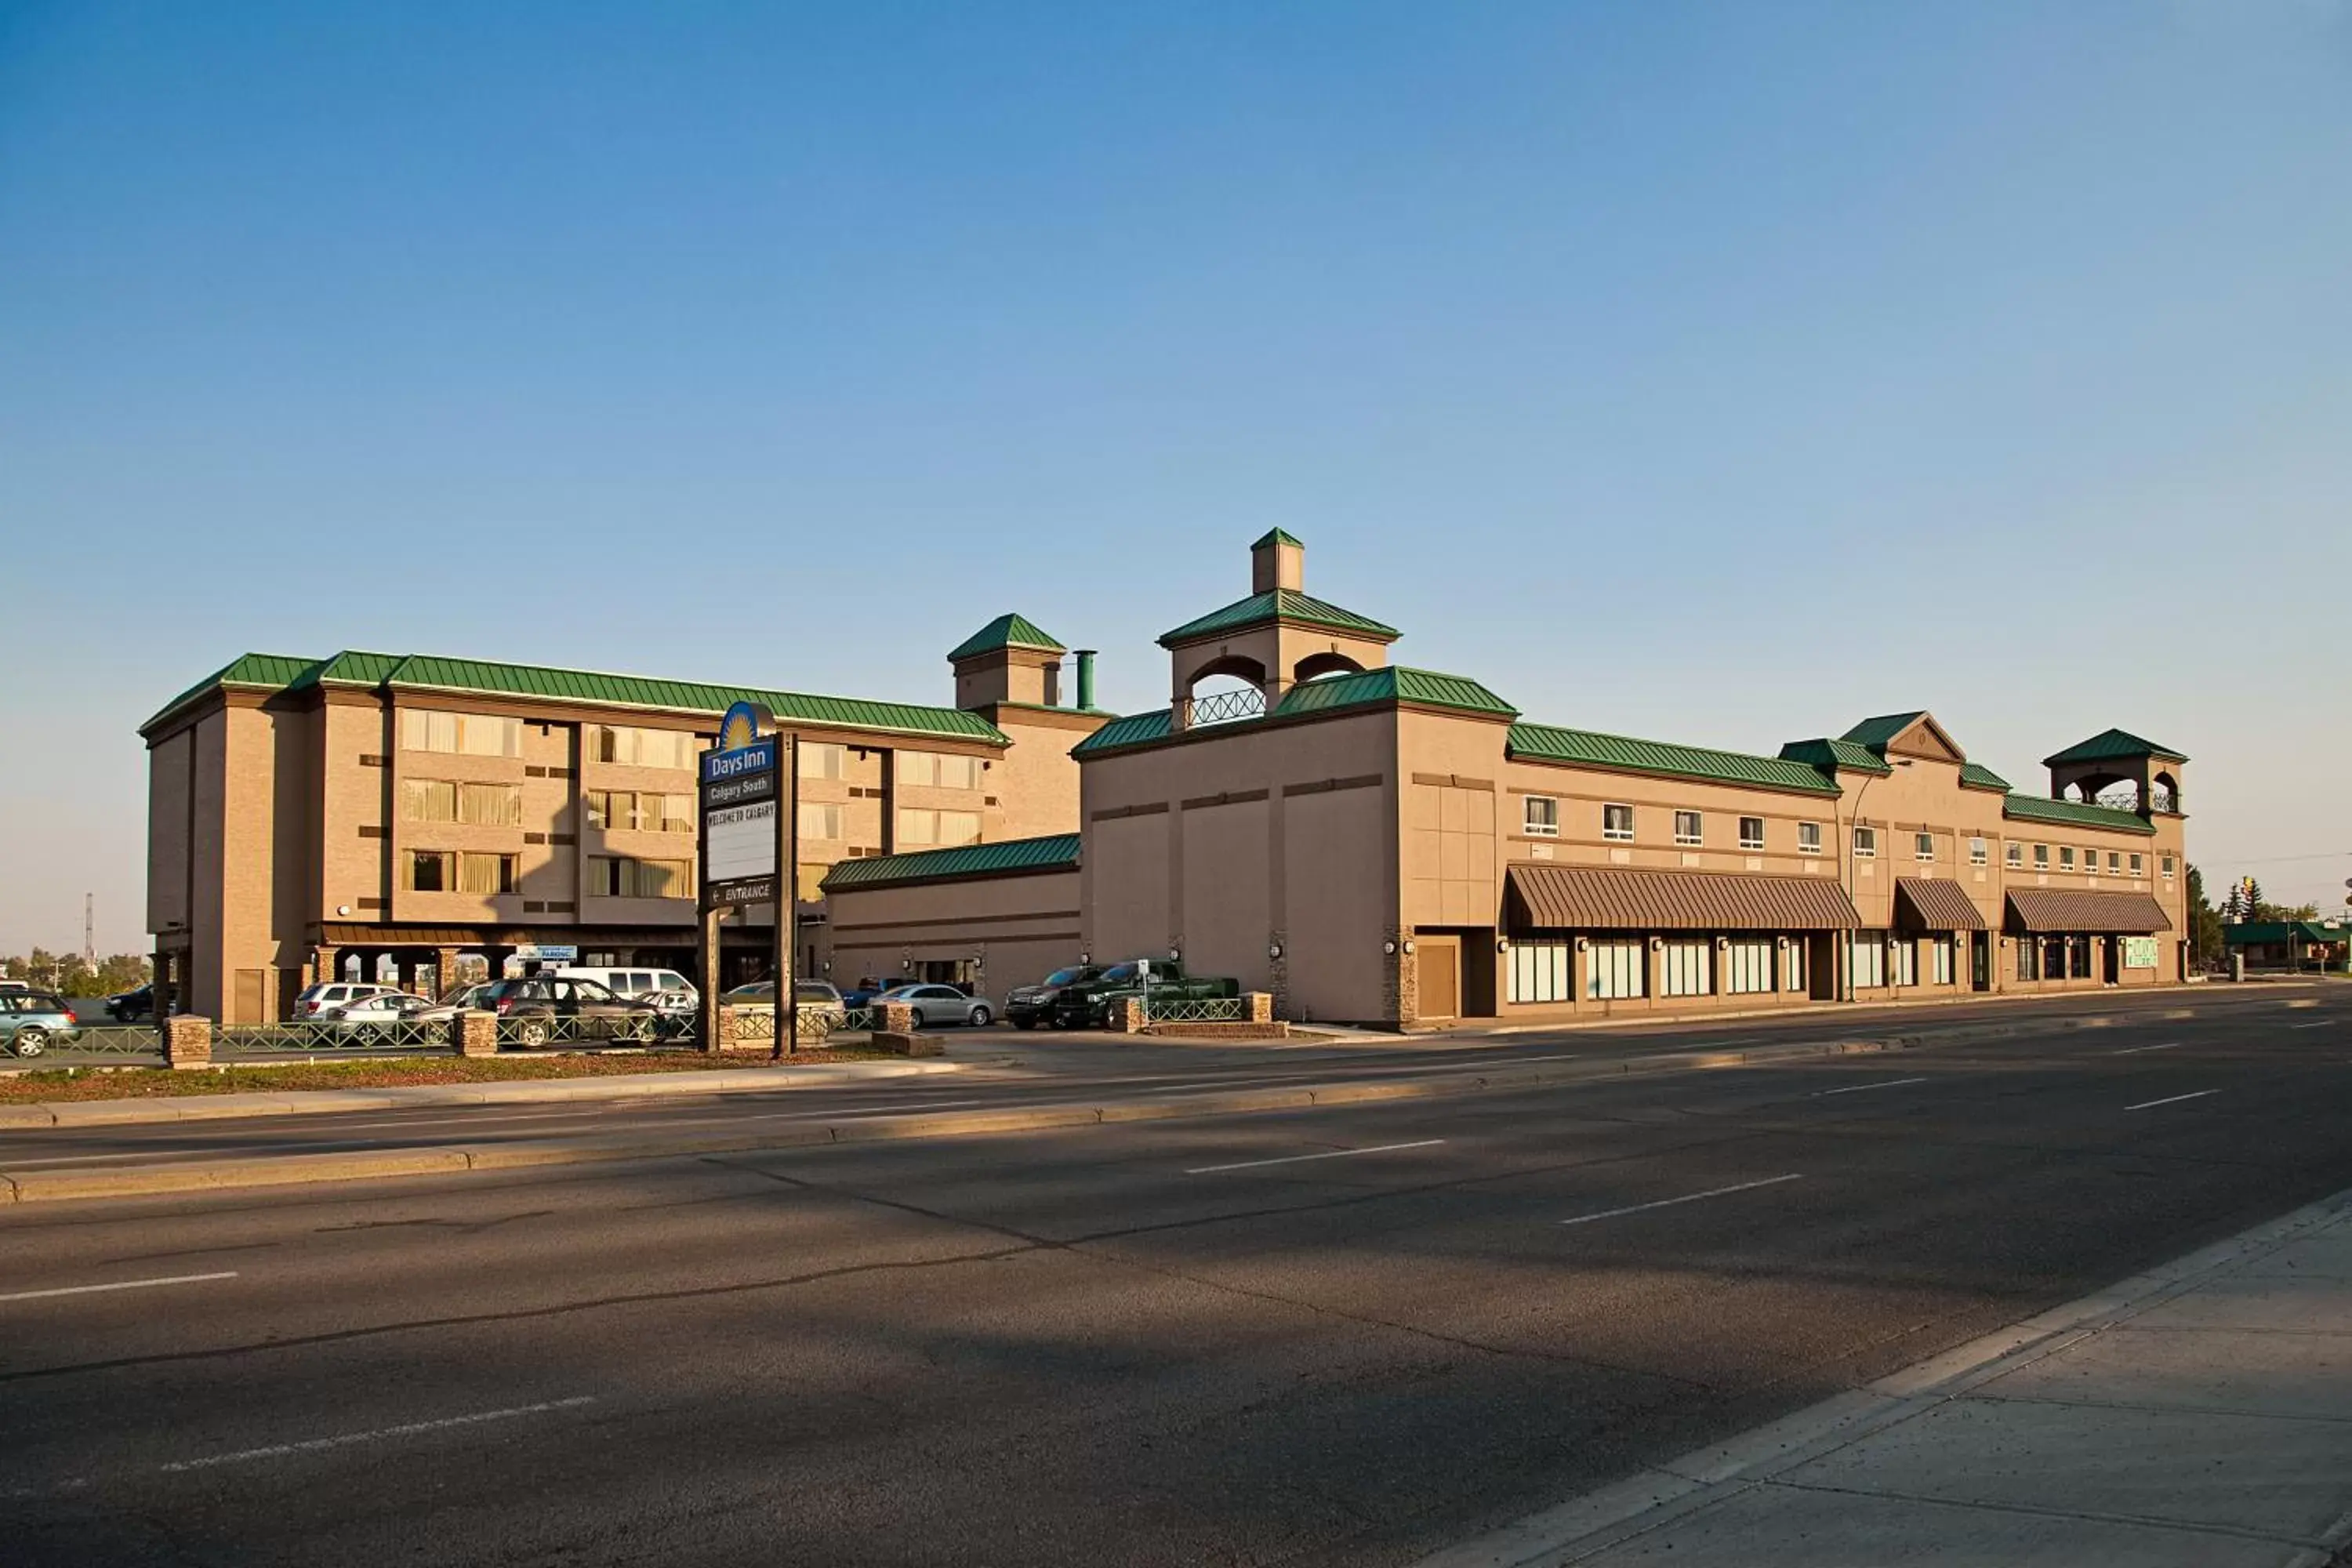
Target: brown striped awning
2063	909
1636	898
1929	903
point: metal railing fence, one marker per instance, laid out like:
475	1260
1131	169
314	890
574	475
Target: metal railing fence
532	1031
110	1040
314	1037
1208	1010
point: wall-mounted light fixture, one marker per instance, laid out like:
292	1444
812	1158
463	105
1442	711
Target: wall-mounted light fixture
1175	955
343	908
1408	945
1584	944
1085	957
1657	944
1274	950
1502	944
1388	947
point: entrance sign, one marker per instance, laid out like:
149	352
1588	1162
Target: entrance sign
2139	952
740	825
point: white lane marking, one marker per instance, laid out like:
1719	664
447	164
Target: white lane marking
118	1285
1685	1198
408	1429
2135	1050
2171	1099
1858	1088
1328	1155
850	1111
453	1121
2323	1023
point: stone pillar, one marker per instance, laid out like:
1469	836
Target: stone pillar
897	1017
745	1031
1127	1016
1400	981
324	959
1257	1007
188	1042
1278	968
475	1033
444	970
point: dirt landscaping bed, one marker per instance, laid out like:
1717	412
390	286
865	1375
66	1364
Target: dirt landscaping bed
133	1083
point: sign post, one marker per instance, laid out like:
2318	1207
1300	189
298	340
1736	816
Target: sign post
744	834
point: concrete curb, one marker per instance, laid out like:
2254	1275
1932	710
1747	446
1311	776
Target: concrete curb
211	1175
516	1091
1658	1496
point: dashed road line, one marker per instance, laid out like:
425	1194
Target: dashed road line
117	1285
1685	1198
2171	1099
1858	1088
406	1429
1328	1154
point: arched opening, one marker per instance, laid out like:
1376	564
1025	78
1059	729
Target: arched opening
1316	666
2165	793
1224	690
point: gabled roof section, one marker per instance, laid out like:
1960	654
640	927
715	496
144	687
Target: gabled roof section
1151	724
1011	857
247	671
1876	733
1393	683
1585	748
1278	604
1826	755
2111	745
1005	631
1976	775
2072	814
1928	738
1278	536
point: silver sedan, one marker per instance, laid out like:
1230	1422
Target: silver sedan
938	1004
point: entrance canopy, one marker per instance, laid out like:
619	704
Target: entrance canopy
2033	910
1928	903
1633	898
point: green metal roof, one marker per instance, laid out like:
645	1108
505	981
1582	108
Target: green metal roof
1875	732
1546	743
1824	755
1278	604
433	673
1276	536
2111	745
2072	814
1976	775
1151	724
1392	683
1005	631
2248	933
1056	852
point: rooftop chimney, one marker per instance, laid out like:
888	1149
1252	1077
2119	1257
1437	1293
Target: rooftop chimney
1085	679
1277	561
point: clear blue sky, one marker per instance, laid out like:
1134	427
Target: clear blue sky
1714	372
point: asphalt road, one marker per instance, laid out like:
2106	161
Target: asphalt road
1349	1335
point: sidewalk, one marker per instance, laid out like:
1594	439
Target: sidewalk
520	1091
2199	1414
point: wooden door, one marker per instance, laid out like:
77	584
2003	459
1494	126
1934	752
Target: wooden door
1440	973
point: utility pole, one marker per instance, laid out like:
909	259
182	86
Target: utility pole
89	932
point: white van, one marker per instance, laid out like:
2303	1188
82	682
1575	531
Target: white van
635	981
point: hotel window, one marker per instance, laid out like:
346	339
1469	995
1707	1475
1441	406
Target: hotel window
1869	949
2066	857
1977	853
1751	833
1542	819
1615	970
1687	968
2116	862
821	759
809	886
1865	843
1540	971
430	871
620	810
486	873
428	800
1616	822
1793	966
2042	856
935	768
1747	966
1688	829
623	877
642	748
1943	953
1923	846
2138	864
922	829
2013	856
1809	838
460	734
819	821
1903	956
2168	865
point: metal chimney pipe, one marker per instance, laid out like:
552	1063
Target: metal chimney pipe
1085	678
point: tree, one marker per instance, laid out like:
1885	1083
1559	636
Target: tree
2204	925
69	975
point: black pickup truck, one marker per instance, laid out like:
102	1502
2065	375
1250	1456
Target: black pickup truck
1167	983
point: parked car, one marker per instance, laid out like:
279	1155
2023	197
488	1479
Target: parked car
381	1014
813	995
125	1005
1077	1003
472	998
317	999
862	994
550	1007
635	980
1167	983
937	1004
8	985
30	1020
1026	1007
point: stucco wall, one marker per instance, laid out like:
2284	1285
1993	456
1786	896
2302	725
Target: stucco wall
1021	928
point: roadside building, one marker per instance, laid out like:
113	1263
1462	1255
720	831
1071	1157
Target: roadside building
2320	944
407	815
1376	843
